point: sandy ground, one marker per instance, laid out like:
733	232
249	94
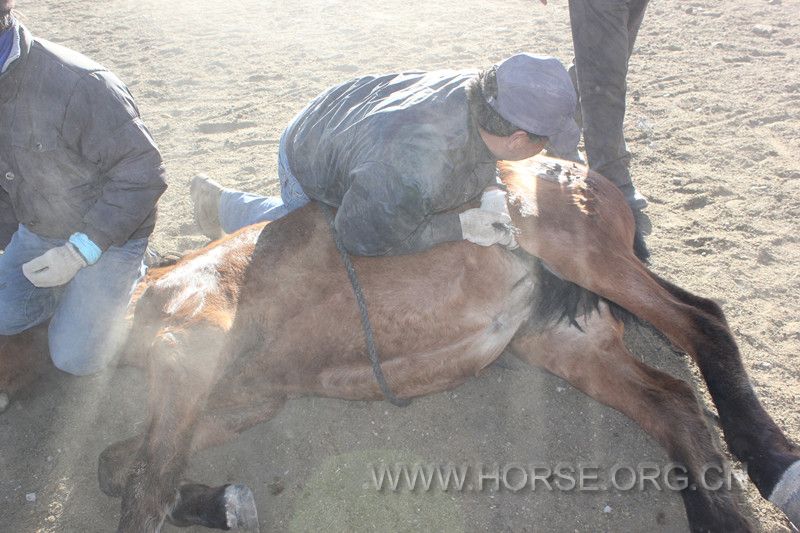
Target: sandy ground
713	121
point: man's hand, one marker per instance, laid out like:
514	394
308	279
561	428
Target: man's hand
55	267
490	223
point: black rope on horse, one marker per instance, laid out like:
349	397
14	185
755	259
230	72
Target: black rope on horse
362	308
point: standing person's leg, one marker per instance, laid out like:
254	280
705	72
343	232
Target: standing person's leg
89	326
23	305
602	41
637	9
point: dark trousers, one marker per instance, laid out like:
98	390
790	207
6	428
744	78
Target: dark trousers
603	34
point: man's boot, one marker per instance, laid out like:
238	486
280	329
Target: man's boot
206	194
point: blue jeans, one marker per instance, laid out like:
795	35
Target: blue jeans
239	209
87	315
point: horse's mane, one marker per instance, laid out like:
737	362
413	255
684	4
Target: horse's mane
556	299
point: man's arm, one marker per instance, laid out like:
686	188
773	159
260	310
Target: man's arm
102	124
383	215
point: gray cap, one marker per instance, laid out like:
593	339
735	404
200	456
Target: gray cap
535	94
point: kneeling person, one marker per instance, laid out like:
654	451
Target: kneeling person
80	176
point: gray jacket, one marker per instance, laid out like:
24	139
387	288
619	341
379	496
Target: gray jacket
74	154
395	154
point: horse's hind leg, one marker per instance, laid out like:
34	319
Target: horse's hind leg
224	507
597	362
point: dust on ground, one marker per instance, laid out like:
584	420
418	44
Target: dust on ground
714	103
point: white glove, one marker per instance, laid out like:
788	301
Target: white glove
490	224
55	267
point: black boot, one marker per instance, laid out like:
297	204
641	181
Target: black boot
643	227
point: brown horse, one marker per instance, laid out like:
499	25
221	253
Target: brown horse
231	332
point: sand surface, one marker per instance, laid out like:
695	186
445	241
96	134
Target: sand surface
714	125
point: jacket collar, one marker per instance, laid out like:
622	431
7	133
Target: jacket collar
10	79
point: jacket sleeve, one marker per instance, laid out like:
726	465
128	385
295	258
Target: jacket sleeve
7	215
383	214
102	124
8	220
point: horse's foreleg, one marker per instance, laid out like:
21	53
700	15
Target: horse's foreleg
183	367
597	362
228	506
115	463
215	428
225	507
698	326
223	424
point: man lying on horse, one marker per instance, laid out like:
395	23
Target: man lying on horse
396	153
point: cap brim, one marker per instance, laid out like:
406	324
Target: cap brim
565	142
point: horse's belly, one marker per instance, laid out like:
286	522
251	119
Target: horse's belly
426	372
423	350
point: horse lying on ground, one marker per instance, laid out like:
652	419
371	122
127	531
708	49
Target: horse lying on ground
231	332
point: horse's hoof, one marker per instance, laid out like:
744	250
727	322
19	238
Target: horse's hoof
786	494
4	401
240	508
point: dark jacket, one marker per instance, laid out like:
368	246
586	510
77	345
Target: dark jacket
394	153
74	154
